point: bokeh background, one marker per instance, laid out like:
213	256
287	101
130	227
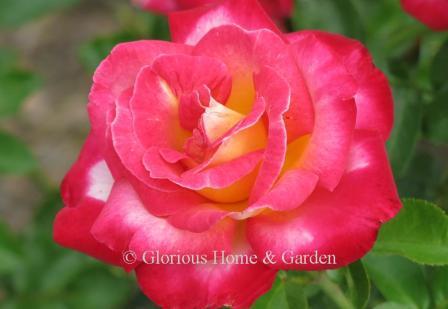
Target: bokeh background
48	52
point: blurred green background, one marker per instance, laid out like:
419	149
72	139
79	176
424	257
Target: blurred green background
48	52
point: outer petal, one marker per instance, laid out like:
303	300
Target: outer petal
125	222
84	190
71	229
374	102
332	90
205	286
190	26
344	222
89	177
433	13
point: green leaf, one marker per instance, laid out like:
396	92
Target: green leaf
424	175
17	12
419	232
385	22
407	128
358	283
337	275
264	301
440	286
283	295
334	16
14	155
439	67
429	46
398	280
392	305
295	295
15	86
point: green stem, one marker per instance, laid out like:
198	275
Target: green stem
334	292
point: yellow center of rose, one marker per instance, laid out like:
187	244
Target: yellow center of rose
294	153
177	135
242	95
240	190
219	119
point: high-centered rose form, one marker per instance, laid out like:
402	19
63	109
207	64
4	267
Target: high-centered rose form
235	138
278	9
433	13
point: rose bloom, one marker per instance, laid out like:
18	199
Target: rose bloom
278	9
433	13
235	138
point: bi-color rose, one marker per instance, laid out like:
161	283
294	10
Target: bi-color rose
237	138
